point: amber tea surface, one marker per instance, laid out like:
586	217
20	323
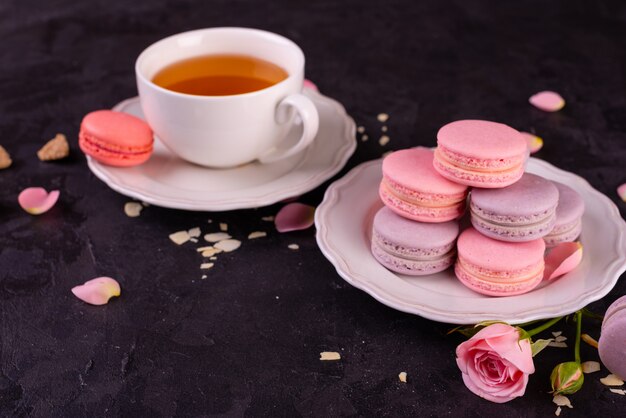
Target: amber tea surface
219	75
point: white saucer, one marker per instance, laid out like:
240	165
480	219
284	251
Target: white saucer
344	219
168	181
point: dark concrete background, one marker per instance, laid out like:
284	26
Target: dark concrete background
246	340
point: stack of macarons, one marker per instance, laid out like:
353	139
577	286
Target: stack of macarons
514	215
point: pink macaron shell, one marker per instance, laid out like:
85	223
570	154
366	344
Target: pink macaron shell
499	256
413	169
482	139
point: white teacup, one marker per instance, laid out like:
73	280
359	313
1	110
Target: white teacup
226	131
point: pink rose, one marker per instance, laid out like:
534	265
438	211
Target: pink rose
495	364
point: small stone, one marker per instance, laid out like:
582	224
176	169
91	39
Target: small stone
590	366
5	158
384	140
194	232
228	245
293	247
402	377
612	380
132	209
206	266
382	117
216	237
257	234
360	129
180	237
223	227
55	149
330	355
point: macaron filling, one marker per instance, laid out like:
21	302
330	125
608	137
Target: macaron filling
480	164
475	177
435	200
409	266
412	253
490	287
419	212
511	220
92	141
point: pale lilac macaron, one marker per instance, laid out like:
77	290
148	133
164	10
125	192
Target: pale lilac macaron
480	153
413	189
569	212
498	268
612	343
413	248
523	211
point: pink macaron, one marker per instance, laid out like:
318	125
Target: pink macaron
115	138
413	189
413	248
523	211
480	153
498	268
569	212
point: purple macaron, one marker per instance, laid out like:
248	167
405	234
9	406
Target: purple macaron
523	211
410	247
612	343
569	212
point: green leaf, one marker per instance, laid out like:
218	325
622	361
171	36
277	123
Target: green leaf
487	323
539	345
588	313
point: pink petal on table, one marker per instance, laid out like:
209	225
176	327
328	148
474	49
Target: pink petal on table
621	192
308	84
534	142
547	101
36	200
294	217
97	291
562	259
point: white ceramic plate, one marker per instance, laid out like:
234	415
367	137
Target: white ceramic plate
168	181
344	219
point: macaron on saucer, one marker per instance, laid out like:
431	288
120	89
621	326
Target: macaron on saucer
413	248
498	268
480	153
569	212
413	189
115	138
523	211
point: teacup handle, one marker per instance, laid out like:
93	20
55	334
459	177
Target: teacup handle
310	123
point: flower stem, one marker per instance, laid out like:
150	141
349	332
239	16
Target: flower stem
544	326
579	325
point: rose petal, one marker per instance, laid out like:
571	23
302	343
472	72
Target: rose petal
97	291
547	101
36	200
294	217
621	192
534	142
563	258
308	84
